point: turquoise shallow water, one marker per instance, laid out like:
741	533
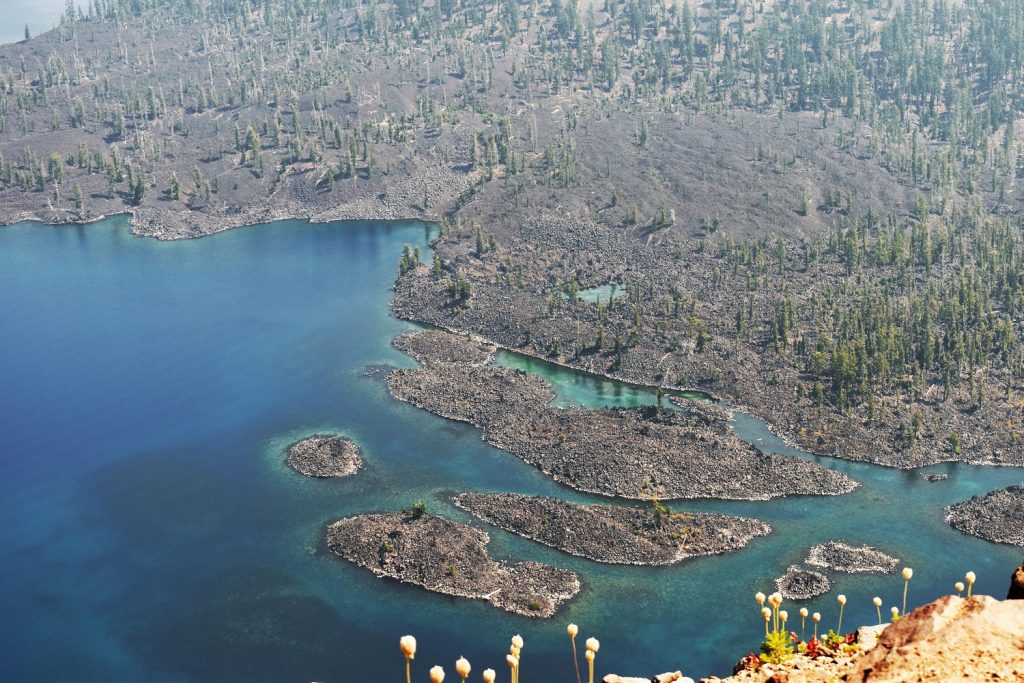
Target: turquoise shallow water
149	530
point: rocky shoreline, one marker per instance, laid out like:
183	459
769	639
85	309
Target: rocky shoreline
325	455
614	534
843	557
997	516
802	584
450	558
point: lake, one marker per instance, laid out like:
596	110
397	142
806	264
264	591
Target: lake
150	529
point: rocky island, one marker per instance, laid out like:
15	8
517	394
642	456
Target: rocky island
997	516
325	455
854	559
614	534
802	584
451	558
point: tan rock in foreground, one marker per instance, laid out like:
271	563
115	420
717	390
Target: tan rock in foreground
951	639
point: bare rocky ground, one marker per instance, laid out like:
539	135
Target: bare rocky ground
619	535
324	455
799	583
631	453
433	347
450	558
997	516
951	639
843	557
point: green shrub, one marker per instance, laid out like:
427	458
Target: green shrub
777	648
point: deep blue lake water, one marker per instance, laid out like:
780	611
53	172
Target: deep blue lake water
150	530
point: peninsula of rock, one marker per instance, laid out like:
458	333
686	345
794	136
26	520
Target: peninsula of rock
635	453
997	516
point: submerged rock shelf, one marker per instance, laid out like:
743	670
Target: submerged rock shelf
613	534
450	558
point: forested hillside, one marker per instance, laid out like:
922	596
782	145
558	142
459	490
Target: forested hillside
812	207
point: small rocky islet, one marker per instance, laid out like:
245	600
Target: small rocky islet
448	557
799	583
614	534
997	516
853	559
325	456
635	453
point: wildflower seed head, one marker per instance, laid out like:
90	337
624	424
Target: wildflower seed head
590	656
593	645
876	601
959	585
817	617
841	599
908	573
573	629
970	578
462	667
489	675
408	645
759	596
436	675
803	612
517	640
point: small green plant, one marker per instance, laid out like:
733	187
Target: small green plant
834	640
418	509
386	547
535	605
777	648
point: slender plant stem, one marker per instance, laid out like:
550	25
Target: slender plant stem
803	624
408	678
906	585
575	658
879	608
839	630
591	663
